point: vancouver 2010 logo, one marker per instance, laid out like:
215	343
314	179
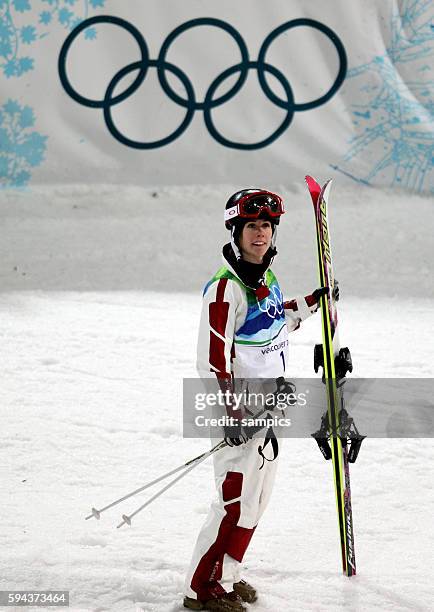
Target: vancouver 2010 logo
210	101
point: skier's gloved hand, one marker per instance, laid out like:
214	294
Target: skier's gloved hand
285	394
318	293
235	435
314	298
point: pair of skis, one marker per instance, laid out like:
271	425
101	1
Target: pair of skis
337	438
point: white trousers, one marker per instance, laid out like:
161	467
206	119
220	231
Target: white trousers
243	492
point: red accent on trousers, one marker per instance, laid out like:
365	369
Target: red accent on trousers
231	539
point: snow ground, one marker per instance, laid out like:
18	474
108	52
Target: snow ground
108	238
91	407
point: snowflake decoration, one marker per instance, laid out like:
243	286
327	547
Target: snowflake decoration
21	148
66	13
394	115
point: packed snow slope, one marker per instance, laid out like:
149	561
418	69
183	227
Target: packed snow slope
170	239
100	300
91	406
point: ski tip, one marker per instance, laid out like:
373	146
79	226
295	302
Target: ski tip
327	185
314	189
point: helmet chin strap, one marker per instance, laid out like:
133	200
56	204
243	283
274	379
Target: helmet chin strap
235	249
274	236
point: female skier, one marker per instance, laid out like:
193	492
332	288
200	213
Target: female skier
243	335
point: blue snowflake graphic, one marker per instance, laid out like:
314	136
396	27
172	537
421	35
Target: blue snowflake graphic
28	34
45	17
394	117
13	33
22	24
21	149
21	5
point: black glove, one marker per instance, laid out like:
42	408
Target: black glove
235	435
285	393
318	293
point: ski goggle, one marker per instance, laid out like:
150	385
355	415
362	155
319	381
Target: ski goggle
252	205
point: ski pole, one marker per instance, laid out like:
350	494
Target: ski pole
187	468
97	513
127	518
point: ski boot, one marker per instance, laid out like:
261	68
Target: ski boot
245	591
226	602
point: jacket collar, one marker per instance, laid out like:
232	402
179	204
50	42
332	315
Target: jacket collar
251	275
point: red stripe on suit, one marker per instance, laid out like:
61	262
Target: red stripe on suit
218	318
231	540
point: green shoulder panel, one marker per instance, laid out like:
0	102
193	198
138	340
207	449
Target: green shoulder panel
224	272
270	278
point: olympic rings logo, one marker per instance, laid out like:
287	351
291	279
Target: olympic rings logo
211	100
273	304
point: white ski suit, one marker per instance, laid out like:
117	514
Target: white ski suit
240	336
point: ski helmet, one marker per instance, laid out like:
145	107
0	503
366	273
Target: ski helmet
253	203
248	204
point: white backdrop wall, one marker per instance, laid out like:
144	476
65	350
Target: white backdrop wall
376	128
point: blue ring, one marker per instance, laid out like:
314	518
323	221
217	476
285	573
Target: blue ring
263	143
209	21
339	48
73	35
156	143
